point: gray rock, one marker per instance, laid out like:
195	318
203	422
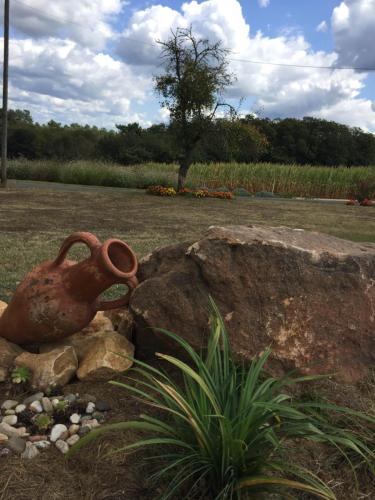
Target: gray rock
90	407
9	404
62	446
75	418
10	431
47	405
35	397
99	416
16	444
57	431
31	451
73	440
85	429
71	398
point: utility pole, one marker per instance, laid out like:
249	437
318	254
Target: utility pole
4	134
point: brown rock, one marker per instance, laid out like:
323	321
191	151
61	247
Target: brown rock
8	352
126	324
82	341
102	362
54	368
309	296
3	306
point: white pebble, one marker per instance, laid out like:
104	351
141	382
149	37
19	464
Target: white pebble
47	405
9	412
20	408
62	446
55	402
57	431
73	429
90	408
73	439
10	419
92	423
9	404
75	418
36	406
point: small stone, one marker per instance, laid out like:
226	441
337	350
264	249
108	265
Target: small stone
85	429
85	418
90	407
3	438
36	438
47	405
9	404
36	406
10	419
4	452
73	440
9	412
55	402
16	444
31	451
62	446
75	418
73	429
57	431
92	423
70	398
103	406
99	416
10	431
35	397
20	408
41	445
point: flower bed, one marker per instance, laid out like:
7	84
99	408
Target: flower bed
200	193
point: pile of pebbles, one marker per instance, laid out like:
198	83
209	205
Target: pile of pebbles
41	421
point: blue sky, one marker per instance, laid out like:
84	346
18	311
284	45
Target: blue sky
94	63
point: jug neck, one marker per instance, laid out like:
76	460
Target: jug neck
111	263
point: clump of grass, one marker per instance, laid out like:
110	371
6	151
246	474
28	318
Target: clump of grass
228	429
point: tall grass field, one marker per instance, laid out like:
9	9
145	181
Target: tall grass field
285	180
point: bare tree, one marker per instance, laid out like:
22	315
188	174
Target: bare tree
196	75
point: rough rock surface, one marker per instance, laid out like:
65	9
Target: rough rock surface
83	340
54	368
8	353
309	296
102	361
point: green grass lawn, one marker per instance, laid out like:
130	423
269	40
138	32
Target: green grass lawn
34	222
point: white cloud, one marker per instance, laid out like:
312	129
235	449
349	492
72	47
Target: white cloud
59	77
68	76
353	27
87	21
278	90
323	26
263	3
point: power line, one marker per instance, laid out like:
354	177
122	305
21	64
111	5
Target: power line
249	61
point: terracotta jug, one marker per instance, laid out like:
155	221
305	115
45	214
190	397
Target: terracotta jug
60	297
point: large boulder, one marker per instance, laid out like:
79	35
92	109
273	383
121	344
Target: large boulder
308	296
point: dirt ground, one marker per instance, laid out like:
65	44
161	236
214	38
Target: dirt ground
33	223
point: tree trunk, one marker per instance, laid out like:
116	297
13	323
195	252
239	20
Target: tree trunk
182	173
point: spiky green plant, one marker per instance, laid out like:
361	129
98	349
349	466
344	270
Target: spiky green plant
20	375
228	429
43	422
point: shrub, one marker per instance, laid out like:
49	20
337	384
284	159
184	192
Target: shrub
228	428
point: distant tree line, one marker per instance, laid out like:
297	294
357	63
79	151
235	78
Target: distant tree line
307	141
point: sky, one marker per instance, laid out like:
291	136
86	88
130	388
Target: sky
93	61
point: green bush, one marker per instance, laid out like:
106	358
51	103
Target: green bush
228	428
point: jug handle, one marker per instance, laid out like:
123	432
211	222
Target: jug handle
80	237
105	305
